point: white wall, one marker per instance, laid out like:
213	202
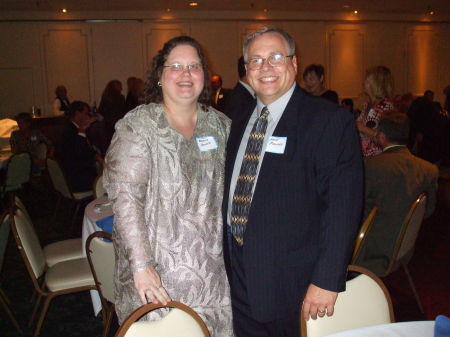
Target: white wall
84	56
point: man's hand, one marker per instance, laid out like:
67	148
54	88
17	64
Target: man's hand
317	302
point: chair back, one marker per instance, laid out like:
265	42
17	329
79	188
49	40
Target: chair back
28	244
58	178
100	254
98	188
407	237
365	302
364	230
19	204
181	321
18	171
5	227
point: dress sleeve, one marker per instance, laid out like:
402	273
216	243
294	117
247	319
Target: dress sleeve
126	177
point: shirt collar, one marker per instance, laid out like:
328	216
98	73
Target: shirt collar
276	108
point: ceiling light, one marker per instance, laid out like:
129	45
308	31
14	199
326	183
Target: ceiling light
265	10
356	12
64	10
431	12
193	4
168	10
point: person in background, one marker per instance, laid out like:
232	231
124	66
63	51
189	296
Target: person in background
241	95
348	104
112	107
379	85
314	78
293	196
164	174
393	181
78	159
27	139
135	90
219	94
61	102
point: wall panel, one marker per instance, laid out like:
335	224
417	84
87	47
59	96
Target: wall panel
345	60
16	91
66	55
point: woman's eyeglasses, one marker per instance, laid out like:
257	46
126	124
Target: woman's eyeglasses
179	68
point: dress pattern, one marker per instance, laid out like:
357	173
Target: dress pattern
370	116
167	196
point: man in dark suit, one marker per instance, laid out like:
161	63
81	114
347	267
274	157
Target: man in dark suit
394	179
242	94
220	94
76	155
295	242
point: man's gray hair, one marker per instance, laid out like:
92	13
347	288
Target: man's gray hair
273	30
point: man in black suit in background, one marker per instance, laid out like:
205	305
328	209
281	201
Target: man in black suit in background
294	243
242	94
76	155
219	95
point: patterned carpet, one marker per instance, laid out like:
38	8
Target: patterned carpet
72	315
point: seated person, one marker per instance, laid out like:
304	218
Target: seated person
77	157
393	181
30	140
61	102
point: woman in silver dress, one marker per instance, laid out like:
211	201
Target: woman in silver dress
164	173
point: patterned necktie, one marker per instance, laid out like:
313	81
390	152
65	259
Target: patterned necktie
243	192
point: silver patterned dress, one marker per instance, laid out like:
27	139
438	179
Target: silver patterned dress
167	195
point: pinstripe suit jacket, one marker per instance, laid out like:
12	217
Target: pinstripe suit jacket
306	206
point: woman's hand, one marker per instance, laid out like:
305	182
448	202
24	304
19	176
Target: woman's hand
149	287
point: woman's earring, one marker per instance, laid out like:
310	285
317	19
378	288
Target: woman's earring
159	84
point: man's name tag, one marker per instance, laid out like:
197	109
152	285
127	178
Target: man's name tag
276	145
206	143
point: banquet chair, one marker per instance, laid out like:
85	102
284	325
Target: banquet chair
58	251
181	321
17	173
60	184
98	188
362	234
5	226
65	277
406	241
365	302
100	255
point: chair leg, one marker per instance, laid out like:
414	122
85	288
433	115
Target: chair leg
413	287
42	316
107	323
74	216
35	309
5	304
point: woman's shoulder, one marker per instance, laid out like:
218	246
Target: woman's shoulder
141	118
218	116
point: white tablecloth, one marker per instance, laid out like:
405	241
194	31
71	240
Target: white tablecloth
96	210
402	329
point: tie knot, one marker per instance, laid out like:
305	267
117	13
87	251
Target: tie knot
264	112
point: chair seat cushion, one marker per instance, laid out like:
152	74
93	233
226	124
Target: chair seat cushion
83	195
63	251
69	274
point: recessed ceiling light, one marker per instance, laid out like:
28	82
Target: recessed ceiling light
356	12
193	4
168	10
431	13
265	10
64	10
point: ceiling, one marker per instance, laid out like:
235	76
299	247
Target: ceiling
416	7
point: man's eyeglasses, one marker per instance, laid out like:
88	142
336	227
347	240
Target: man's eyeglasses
275	60
179	68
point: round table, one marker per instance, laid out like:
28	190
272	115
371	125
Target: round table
402	329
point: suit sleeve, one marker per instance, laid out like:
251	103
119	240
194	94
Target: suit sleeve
339	171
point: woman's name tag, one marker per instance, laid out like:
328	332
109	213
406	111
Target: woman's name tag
206	143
